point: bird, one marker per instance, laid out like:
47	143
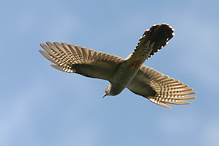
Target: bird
122	73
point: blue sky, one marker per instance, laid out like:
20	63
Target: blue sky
43	106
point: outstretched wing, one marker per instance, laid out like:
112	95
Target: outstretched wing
75	59
160	89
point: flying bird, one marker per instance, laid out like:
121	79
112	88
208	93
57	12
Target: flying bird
124	73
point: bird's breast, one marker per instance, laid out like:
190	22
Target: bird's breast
123	76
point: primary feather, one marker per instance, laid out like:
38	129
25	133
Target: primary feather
75	59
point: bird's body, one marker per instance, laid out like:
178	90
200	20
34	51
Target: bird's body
122	78
128	69
122	73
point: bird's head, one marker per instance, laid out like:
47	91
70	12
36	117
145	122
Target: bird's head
107	91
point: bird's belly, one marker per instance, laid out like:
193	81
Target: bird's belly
123	77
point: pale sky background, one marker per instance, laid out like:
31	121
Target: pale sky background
41	106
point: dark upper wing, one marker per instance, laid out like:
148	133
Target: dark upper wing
160	89
76	59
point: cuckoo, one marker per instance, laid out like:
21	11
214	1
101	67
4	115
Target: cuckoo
124	73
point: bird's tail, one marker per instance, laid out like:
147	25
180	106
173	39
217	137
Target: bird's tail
152	41
159	34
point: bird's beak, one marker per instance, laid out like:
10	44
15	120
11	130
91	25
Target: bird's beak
104	95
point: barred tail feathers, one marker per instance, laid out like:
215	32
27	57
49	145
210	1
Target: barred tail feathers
151	41
160	35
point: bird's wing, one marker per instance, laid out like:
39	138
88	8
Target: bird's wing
160	89
151	41
75	59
